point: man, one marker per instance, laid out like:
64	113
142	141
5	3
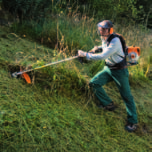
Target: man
115	69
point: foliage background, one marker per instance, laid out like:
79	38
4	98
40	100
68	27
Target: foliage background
138	11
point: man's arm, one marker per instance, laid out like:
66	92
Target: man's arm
96	49
107	52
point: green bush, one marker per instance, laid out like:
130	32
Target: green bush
129	10
29	9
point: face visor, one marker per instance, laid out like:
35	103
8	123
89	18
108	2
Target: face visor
103	26
102	31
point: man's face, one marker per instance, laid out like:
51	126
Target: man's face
103	31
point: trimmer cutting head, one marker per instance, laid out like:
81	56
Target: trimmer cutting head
23	75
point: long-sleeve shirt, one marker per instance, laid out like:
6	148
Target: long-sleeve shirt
112	53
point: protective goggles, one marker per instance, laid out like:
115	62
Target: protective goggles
100	28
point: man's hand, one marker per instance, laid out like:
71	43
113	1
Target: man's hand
82	53
94	49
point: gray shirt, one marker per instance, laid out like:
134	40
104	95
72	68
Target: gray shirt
112	54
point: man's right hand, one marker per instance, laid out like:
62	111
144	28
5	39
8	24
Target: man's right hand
94	49
82	53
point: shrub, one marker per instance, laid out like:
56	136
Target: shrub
29	9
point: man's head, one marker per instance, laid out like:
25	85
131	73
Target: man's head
105	28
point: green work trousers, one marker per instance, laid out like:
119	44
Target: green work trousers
121	79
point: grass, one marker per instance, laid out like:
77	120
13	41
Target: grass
33	119
57	112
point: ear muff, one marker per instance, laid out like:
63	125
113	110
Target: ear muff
111	30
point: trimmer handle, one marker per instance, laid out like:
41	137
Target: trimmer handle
82	59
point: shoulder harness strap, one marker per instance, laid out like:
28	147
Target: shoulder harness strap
123	43
110	38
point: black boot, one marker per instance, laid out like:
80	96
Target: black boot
110	107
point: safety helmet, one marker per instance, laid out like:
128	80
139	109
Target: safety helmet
105	24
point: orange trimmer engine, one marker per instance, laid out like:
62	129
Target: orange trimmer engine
133	55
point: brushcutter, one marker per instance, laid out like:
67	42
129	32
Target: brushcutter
26	76
132	59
